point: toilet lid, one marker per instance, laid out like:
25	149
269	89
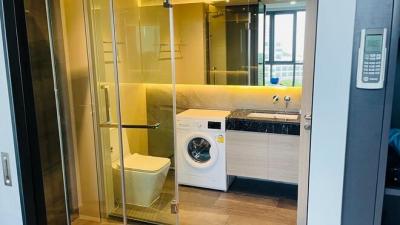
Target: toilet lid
144	163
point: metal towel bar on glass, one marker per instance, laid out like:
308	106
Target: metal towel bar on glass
132	126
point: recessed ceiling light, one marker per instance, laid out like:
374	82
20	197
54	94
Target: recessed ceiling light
293	2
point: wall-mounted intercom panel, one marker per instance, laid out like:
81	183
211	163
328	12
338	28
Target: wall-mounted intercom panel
372	59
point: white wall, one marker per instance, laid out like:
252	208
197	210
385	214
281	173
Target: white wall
10	207
330	110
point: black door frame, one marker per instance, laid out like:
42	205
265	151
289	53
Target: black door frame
369	121
12	14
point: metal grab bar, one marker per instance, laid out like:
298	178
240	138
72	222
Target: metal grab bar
132	126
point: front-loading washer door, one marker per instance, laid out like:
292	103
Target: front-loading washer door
201	151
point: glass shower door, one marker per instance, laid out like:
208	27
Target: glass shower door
145	61
107	114
133	62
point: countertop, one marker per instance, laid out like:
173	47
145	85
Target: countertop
239	120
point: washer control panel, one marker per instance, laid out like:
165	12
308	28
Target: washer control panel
200	125
372	59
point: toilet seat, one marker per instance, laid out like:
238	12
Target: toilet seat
144	163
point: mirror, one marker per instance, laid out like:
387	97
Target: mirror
243	43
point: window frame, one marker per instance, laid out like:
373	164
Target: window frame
271	59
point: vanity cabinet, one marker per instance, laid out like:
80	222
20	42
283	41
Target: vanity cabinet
246	154
263	156
283	157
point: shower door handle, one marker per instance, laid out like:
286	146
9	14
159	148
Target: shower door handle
132	126
107	102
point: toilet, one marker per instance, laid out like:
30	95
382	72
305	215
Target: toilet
144	175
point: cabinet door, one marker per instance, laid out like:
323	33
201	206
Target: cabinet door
283	158
247	154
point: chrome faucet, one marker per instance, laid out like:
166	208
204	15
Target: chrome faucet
287	101
275	99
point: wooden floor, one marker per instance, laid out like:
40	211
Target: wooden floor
207	207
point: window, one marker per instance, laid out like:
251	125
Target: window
283	37
282	54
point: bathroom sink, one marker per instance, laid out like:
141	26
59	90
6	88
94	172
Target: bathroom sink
273	116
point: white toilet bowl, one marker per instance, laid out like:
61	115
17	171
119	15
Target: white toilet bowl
144	176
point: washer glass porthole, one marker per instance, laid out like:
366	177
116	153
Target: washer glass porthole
199	150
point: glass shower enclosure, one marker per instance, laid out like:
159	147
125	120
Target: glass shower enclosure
130	54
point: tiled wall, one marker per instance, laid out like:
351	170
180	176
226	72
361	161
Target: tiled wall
158	106
227	97
235	97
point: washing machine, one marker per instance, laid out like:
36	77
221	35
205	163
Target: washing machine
201	149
